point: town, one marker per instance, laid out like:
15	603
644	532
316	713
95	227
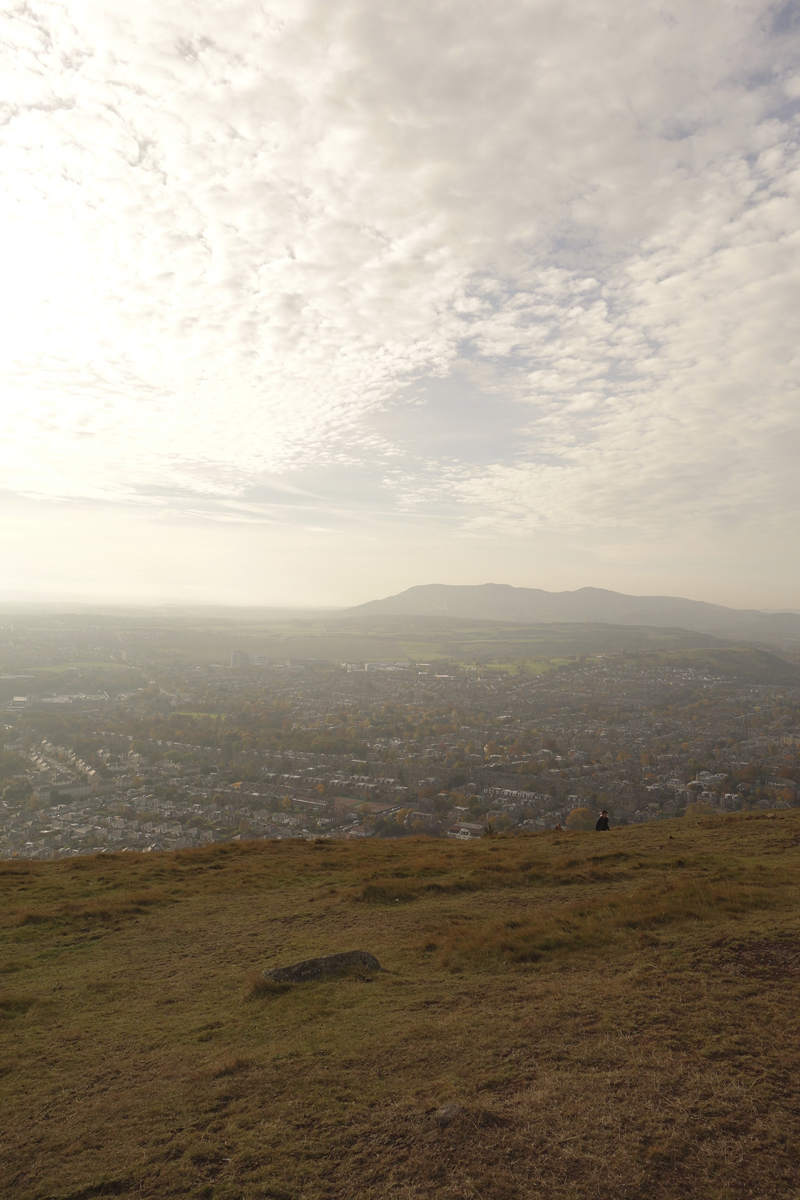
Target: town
186	754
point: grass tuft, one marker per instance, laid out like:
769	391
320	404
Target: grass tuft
27	917
387	893
12	1005
103	908
235	1067
262	988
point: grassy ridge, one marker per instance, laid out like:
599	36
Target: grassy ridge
616	1014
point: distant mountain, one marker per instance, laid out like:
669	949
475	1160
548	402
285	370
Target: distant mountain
501	602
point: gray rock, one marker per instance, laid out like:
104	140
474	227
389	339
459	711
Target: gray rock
445	1115
352	962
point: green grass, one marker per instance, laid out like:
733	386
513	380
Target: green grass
616	1014
529	666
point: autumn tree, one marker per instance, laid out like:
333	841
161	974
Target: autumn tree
581	818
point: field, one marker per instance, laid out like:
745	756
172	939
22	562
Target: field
615	1014
391	639
532	649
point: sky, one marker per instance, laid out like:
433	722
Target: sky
308	302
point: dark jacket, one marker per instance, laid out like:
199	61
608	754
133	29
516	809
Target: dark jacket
602	824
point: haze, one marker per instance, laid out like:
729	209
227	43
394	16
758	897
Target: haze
307	303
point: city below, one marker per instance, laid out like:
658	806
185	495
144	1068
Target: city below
144	749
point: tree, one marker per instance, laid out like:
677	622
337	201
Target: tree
10	764
15	793
581	818
699	809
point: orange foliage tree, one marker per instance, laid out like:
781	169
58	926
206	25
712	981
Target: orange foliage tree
581	818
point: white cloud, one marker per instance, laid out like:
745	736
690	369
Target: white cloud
234	234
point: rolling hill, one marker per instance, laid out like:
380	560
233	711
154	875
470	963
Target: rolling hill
501	602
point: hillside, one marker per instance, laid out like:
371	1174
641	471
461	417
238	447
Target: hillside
501	602
480	642
615	1015
746	663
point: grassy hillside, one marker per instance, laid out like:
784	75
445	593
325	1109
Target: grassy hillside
734	662
615	1013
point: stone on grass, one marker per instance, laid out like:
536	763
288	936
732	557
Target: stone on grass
353	962
445	1115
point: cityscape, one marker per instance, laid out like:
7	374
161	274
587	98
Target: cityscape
399	619
184	754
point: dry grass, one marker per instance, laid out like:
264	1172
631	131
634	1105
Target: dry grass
616	1015
13	1005
106	909
262	988
601	920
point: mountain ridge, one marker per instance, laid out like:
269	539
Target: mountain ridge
503	602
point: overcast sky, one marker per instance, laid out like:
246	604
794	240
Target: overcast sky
310	302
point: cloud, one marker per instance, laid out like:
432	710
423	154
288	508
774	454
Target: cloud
243	240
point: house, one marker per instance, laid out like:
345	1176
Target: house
465	830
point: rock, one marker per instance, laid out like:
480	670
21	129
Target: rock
352	962
445	1115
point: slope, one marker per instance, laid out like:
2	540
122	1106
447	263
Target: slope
614	1014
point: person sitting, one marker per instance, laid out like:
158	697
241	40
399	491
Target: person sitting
602	825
